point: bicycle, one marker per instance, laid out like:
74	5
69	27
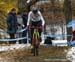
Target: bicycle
35	40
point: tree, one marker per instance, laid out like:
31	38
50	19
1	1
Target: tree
68	14
22	5
2	15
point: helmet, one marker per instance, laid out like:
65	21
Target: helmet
34	10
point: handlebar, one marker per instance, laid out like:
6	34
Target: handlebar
36	27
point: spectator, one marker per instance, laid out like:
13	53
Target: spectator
20	24
12	24
25	17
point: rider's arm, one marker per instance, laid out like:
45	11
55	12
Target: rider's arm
43	21
29	18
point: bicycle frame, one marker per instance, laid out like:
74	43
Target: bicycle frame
34	27
35	40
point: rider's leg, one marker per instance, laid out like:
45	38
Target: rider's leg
32	30
40	29
34	50
37	50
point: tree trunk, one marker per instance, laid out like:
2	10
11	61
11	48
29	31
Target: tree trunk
21	5
53	5
68	15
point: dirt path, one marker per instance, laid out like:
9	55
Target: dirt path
45	54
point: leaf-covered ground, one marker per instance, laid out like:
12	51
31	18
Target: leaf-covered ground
25	55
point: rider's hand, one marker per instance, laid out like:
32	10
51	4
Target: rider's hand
42	28
28	27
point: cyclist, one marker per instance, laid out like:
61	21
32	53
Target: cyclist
35	19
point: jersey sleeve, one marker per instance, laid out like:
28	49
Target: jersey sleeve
28	21
43	21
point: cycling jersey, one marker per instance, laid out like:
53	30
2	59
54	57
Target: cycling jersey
35	17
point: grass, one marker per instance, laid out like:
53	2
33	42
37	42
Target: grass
24	55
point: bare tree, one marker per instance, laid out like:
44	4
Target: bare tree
53	5
23	5
68	14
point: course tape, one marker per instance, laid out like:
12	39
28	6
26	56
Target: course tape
60	35
71	43
29	38
70	24
17	31
6	40
22	30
